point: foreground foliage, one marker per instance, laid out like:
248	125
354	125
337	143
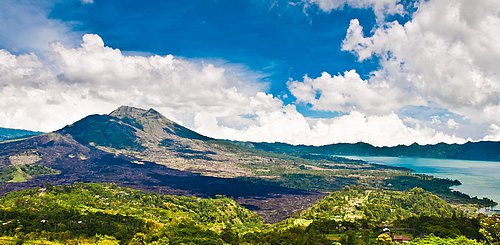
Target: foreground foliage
379	207
109	214
84	210
434	240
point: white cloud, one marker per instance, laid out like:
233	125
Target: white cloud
448	54
452	124
446	57
345	93
356	42
78	77
493	134
287	125
74	82
381	8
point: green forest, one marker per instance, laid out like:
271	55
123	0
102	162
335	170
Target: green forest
109	214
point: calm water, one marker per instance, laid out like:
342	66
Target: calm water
479	178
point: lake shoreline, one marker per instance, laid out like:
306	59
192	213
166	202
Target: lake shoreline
478	178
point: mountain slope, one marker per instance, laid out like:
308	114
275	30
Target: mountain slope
147	136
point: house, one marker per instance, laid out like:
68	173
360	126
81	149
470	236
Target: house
401	239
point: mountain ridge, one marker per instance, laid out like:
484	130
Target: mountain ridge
481	151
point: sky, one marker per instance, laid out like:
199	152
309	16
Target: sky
314	72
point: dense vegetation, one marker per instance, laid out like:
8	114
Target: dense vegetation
434	240
485	150
109	214
84	210
9	134
379	207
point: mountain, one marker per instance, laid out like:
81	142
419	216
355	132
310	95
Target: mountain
10	134
144	150
129	128
147	136
483	150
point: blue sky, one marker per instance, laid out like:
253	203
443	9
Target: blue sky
275	38
304	71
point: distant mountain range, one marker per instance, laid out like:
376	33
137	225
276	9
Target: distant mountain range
483	150
9	134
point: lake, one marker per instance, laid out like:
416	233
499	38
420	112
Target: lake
479	178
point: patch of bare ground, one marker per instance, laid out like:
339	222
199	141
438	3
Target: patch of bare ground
280	207
24	158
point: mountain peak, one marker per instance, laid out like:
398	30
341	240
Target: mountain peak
140	116
152	113
129	128
128	111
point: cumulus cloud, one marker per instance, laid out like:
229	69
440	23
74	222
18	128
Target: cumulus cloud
288	125
448	54
94	72
381	8
445	57
345	93
46	94
452	124
493	133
